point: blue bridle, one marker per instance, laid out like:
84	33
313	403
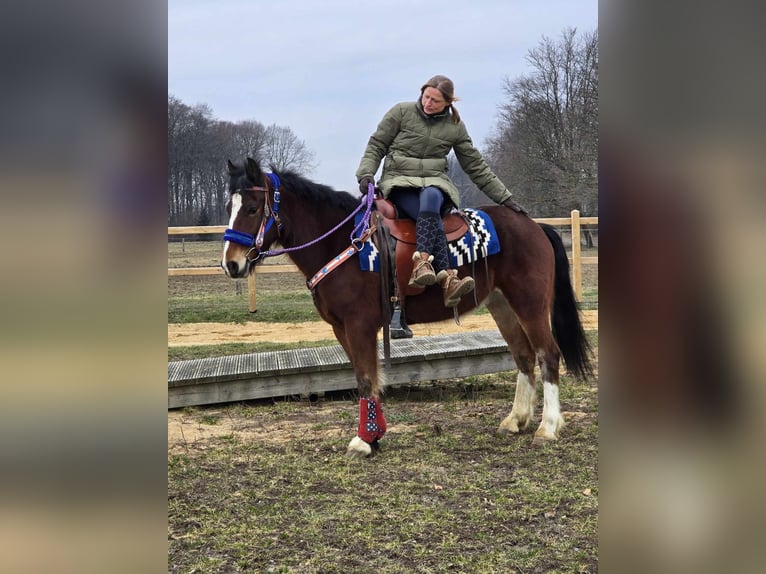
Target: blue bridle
270	215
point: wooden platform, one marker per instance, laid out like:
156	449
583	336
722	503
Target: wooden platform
321	369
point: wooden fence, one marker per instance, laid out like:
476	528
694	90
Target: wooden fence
574	222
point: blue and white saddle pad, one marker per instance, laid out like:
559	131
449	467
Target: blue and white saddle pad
479	241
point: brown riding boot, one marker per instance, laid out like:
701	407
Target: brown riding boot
423	272
454	287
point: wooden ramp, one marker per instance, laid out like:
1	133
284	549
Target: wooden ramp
322	369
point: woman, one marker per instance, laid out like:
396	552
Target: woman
415	139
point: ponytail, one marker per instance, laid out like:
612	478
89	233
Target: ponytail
455	115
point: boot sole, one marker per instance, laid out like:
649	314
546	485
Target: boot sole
423	281
465	288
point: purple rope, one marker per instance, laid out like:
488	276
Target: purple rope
364	224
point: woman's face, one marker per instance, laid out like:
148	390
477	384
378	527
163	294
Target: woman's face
433	101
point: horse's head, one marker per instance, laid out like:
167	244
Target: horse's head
252	224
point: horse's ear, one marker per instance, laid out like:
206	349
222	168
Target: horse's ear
252	170
231	167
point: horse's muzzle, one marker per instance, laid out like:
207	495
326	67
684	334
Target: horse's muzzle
234	270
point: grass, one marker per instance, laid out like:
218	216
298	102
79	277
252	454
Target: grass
445	494
272	306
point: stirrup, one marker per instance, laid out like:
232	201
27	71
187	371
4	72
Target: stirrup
398	328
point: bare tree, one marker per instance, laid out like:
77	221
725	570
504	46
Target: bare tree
198	147
545	146
249	138
188	130
285	151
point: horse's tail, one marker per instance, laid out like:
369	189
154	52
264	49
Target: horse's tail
567	327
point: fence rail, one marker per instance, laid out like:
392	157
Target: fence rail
576	260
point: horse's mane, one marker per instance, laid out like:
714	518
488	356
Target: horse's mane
309	191
317	193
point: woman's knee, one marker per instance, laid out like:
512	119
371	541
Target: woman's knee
407	201
431	199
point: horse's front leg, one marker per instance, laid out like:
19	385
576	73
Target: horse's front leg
362	350
372	427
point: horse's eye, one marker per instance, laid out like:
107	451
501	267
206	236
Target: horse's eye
252	210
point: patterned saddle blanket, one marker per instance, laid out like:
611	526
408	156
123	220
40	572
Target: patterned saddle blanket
479	241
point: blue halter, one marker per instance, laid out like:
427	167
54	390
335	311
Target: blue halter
272	214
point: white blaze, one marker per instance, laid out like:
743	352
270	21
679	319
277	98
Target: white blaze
236	205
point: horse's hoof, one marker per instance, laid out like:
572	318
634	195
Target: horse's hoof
511	426
357	448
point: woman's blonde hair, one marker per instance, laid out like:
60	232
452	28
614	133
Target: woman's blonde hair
447	89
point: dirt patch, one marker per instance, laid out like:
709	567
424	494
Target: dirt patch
197	429
188	334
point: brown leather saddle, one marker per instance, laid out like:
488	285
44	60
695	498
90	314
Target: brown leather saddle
404	231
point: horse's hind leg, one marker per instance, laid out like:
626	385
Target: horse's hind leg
530	340
362	350
523	409
547	353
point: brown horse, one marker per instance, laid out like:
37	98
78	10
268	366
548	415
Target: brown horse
526	288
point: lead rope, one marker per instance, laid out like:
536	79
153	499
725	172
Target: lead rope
364	230
364	223
363	226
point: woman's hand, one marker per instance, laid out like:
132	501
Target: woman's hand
514	206
364	184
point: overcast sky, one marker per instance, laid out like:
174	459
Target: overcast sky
330	69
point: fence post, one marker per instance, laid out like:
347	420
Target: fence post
576	257
251	290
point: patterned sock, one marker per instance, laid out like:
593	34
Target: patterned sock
426	231
372	423
441	257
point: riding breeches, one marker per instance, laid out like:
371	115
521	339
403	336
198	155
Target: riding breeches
425	207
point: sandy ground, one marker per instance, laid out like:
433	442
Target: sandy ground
216	333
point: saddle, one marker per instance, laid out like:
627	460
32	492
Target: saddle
404	232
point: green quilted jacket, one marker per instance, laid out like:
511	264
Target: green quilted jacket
415	147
